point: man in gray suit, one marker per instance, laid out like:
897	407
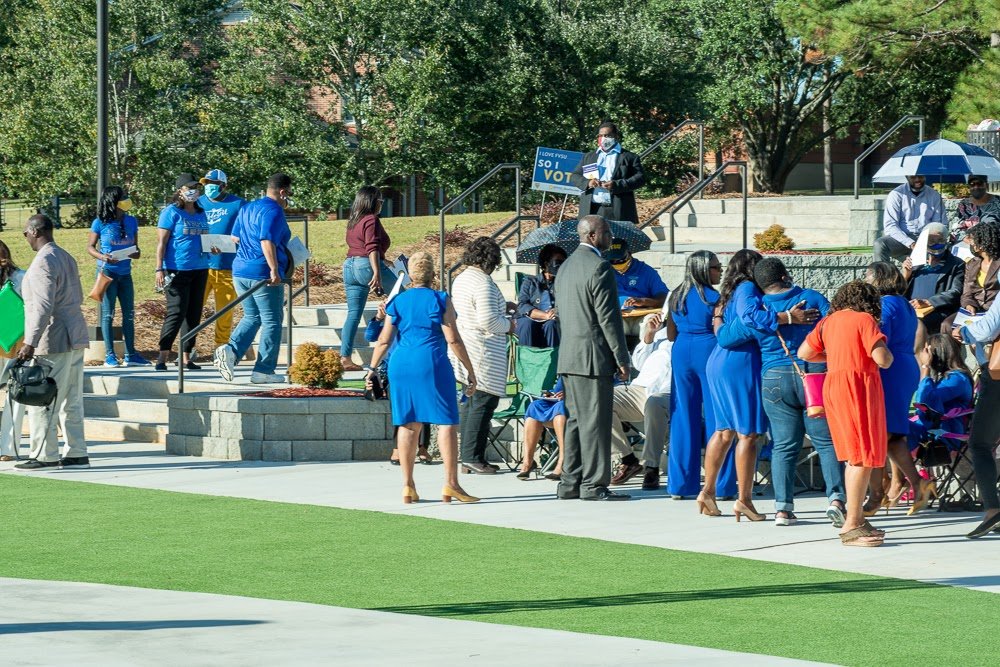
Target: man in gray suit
55	331
591	351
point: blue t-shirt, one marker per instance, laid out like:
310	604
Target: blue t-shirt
772	355
116	236
640	281
221	216
184	247
261	220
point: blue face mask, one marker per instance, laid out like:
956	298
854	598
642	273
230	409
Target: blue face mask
212	191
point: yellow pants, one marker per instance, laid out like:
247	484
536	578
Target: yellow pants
220	283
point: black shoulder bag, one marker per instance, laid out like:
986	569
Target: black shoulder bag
31	384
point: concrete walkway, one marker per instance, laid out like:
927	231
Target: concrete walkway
47	622
928	547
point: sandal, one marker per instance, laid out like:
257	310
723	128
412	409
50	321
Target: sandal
860	537
872	530
424	456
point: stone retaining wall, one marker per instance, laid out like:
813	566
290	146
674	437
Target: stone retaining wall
823	273
248	428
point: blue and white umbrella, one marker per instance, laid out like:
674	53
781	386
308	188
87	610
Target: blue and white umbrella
940	161
564	235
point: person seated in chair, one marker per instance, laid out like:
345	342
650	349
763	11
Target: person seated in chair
935	288
537	324
639	284
546	412
646	399
945	385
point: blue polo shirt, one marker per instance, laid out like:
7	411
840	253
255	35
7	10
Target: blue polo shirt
771	353
261	220
640	281
184	247
116	236
221	217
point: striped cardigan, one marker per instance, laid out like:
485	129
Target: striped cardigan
483	326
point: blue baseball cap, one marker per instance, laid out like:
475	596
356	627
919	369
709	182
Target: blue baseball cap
216	175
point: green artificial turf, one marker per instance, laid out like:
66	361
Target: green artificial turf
135	537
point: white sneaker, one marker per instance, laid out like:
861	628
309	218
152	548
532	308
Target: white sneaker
224	361
267	378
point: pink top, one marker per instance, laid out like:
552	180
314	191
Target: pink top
366	236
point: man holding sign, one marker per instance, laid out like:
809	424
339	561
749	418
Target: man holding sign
608	178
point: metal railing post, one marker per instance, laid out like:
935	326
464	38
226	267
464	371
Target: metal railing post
305	269
673	224
701	156
289	320
743	177
445	274
909	118
517	200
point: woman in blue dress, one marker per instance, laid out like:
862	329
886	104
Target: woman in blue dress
904	335
546	412
421	377
734	376
734	384
689	327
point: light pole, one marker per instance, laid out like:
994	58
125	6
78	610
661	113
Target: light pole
102	96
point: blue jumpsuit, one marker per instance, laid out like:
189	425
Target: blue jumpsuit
692	419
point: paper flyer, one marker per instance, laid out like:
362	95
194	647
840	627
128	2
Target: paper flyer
590	170
918	257
298	251
224	242
124	253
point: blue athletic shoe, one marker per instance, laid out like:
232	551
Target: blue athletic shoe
111	361
135	359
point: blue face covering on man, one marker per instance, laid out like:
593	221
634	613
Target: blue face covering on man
213	191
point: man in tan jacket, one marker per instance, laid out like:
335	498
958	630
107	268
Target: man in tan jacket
55	331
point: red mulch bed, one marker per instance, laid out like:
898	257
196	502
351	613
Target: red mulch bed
308	392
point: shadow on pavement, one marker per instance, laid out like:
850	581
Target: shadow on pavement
866	586
74	626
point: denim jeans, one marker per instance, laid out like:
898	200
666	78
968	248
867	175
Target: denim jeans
261	311
785	405
357	275
120	289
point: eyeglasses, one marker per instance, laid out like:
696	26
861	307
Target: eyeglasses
599	135
974	183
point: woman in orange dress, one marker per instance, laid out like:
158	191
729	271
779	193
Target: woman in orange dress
852	345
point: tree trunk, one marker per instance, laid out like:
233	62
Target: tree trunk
827	143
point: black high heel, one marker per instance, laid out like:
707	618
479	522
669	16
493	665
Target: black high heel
986	526
525	474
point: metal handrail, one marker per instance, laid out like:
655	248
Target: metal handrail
909	118
689	194
240	299
304	219
701	143
515	223
468	191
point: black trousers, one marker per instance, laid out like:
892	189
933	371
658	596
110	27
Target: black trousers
983	436
185	298
474	417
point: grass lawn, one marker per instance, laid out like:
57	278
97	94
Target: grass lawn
326	240
413	565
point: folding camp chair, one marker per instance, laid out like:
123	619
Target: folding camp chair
956	485
535	371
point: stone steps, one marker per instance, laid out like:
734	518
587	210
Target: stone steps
117	429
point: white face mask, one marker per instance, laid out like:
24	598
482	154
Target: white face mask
607	143
190	196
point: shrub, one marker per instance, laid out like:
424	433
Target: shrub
689	180
313	367
457	237
773	238
320	274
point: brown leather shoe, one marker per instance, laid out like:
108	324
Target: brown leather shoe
651	480
626	472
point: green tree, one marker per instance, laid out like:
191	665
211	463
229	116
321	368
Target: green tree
945	49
